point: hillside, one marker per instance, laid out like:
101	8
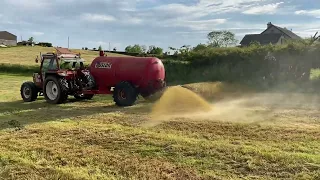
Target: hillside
26	55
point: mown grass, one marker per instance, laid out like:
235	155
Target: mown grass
97	140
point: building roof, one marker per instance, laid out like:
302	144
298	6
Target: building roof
7	36
261	38
284	31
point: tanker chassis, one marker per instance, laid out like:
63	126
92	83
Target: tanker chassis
63	74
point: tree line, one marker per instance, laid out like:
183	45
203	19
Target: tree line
215	39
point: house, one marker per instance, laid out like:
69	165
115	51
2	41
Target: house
8	39
273	34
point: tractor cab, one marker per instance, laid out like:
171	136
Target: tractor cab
61	62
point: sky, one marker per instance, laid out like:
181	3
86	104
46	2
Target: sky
163	23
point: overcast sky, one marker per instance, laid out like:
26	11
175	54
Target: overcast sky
164	23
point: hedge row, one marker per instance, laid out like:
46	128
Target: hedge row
255	63
18	69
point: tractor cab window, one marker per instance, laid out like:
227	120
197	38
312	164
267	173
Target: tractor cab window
49	64
45	64
65	65
71	64
53	65
78	65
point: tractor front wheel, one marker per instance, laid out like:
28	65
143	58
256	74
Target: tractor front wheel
29	92
55	90
125	94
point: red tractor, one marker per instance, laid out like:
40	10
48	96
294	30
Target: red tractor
63	74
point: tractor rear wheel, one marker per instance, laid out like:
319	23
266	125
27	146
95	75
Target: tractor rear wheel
55	90
125	94
29	92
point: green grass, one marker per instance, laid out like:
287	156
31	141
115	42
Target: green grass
315	74
97	140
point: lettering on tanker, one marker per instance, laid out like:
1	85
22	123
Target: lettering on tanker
103	65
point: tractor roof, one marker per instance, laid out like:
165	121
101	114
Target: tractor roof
66	53
72	59
67	56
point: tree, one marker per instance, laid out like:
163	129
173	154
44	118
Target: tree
174	49
200	47
155	50
134	49
185	49
221	38
100	48
144	48
31	39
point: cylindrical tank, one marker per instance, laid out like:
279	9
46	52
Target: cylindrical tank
146	73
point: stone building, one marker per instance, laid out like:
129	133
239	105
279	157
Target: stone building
8	39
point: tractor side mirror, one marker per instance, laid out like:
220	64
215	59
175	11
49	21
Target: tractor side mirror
37	60
101	53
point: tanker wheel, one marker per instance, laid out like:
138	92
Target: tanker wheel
29	91
125	94
55	90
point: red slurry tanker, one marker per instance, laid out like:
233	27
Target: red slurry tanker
63	74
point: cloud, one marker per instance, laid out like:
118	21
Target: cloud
6	22
207	7
37	33
98	17
197	25
98	42
28	4
105	45
130	20
315	13
134	20
197	16
265	9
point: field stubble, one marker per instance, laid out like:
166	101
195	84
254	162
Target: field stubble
249	135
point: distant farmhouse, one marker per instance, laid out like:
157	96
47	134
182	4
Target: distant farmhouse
273	34
8	39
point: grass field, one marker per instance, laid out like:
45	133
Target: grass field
265	136
247	135
26	55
